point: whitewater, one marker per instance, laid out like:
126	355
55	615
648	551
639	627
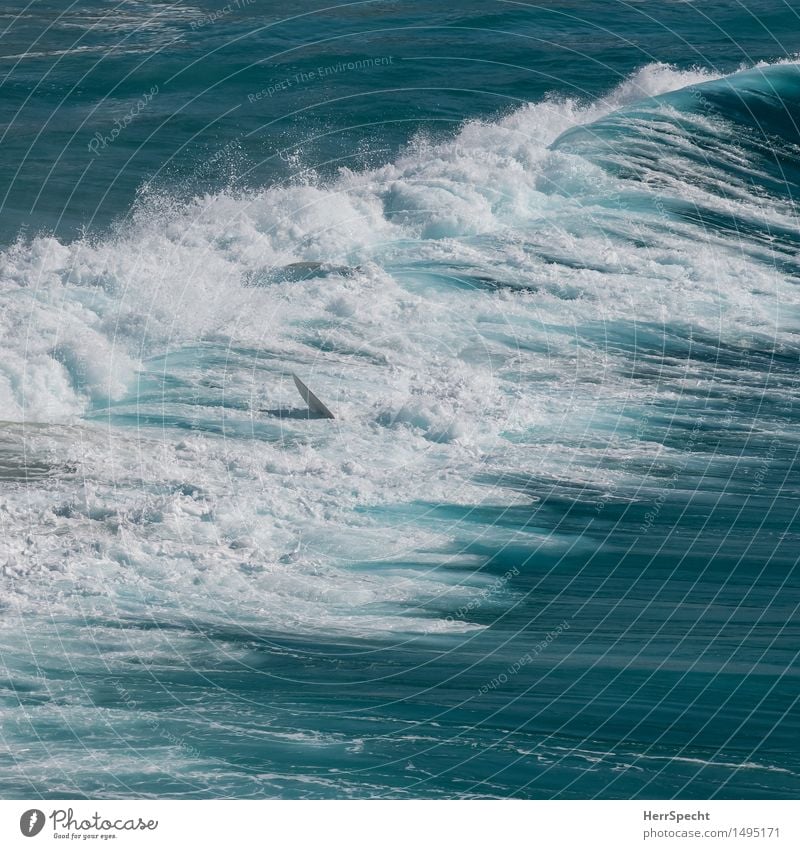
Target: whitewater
528	332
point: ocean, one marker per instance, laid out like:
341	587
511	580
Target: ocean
541	262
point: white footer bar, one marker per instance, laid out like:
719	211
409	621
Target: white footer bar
402	824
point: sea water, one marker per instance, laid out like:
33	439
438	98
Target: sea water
542	265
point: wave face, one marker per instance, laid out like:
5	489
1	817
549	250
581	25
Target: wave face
550	529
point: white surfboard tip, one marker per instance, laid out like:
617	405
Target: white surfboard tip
314	404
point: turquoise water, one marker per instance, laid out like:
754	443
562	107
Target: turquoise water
541	262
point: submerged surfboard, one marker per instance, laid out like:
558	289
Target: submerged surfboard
314	404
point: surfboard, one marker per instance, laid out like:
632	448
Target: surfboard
314	404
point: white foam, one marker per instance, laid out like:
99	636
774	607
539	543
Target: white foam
435	375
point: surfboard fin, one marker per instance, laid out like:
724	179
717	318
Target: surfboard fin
314	404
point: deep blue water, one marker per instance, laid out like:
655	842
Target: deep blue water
542	263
